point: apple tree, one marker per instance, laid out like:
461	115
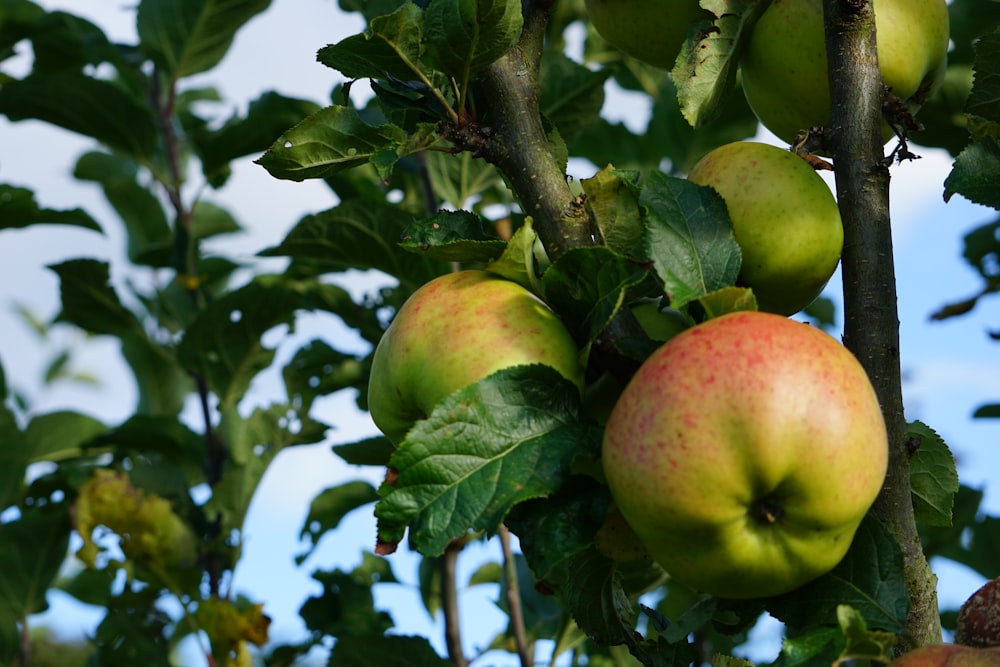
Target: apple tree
456	159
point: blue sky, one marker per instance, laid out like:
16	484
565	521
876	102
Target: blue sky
950	367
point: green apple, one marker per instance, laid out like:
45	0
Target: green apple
650	30
784	65
745	452
454	331
949	655
785	219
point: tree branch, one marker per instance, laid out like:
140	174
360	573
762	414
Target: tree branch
449	603
514	599
871	327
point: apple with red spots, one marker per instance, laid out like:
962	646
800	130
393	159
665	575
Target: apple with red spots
745	453
454	331
949	655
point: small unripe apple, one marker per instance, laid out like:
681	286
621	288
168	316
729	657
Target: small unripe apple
949	655
454	331
745	452
650	30
785	219
784	66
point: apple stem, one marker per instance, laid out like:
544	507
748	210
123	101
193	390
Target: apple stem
767	510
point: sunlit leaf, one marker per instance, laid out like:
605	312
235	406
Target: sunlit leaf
389	49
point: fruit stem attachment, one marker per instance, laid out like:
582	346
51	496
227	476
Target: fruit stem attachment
766	511
871	320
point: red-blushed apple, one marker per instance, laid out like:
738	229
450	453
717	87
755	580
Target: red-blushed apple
454	331
649	30
949	655
978	621
785	219
784	66
745	452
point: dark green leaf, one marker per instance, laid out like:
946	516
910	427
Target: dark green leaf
987	411
688	237
18	209
452	236
385	651
210	219
89	301
818	646
587	286
149	237
976	173
318	370
160	380
933	478
982	248
327	142
14	457
18	21
190	36
571	94
368	452
62	41
464	35
457	179
485	448
330	506
705	71
389	49
41	536
985	98
870	579
133	631
78	103
360	235
345	609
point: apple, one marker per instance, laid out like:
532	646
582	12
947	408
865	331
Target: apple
949	655
978	621
745	452
785	219
784	67
454	331
650	30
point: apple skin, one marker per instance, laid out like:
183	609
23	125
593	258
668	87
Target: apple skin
784	66
745	452
454	331
949	655
785	219
649	30
978	622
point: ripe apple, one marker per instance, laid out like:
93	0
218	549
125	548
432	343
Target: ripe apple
454	331
949	655
785	219
650	30
784	65
745	452
978	622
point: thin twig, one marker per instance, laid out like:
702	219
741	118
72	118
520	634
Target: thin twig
449	603
514	599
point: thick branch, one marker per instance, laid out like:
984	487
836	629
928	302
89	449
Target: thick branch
871	327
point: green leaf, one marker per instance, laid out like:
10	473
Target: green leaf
571	94
186	37
267	117
92	107
389	49
862	643
319	370
465	35
933	478
705	70
612	196
160	379
19	209
485	448
14	457
385	651
981	249
689	238
869	579
987	411
727	300
41	536
520	259
452	236
587	286
223	345
149	237
330	507
58	435
345	609
984	101
252	444
818	646
374	451
327	142
358	235
62	41
457	179
89	301
208	219
976	173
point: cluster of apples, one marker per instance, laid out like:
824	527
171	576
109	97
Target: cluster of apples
784	66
